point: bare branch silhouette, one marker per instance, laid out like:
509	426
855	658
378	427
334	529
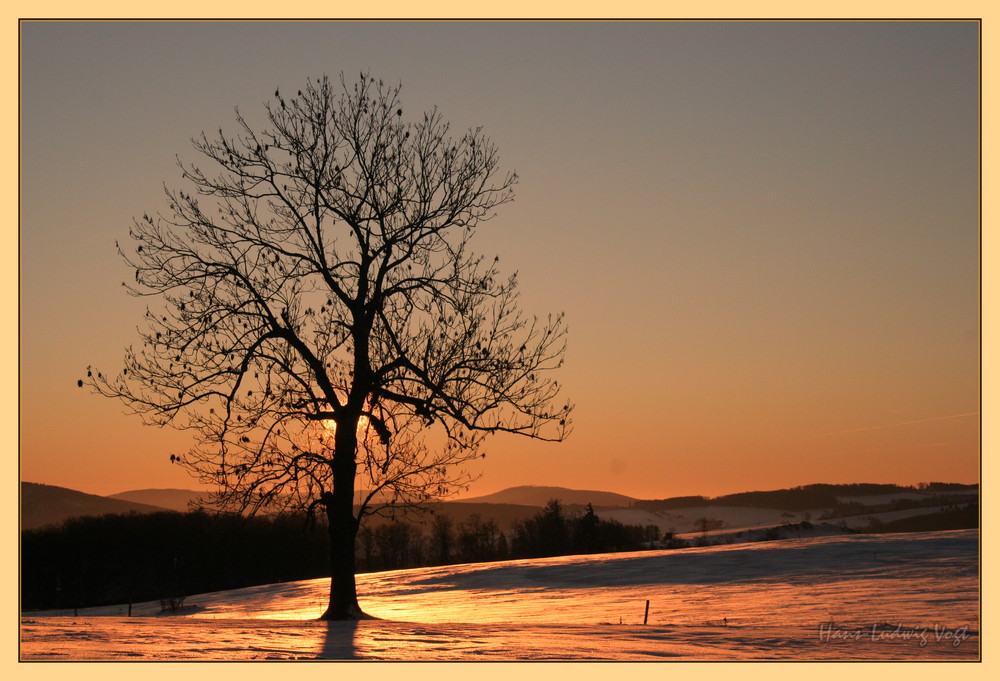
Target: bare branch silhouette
320	321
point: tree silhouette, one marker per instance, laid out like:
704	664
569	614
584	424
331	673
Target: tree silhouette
587	531
442	538
323	326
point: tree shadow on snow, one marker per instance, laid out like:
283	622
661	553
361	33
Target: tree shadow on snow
339	641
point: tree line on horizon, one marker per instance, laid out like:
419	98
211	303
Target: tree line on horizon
802	498
128	558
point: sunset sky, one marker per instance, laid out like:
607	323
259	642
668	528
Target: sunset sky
764	235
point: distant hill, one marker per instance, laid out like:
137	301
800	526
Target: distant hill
809	497
43	505
529	495
173	499
47	504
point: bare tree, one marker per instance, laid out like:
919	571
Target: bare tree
322	325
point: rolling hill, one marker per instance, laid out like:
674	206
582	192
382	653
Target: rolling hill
173	499
43	505
530	495
48	504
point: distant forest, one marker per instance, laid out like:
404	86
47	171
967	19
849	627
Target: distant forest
808	497
166	556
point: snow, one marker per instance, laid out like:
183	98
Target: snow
852	597
686	522
876	499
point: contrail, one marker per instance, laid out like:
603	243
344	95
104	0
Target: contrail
901	423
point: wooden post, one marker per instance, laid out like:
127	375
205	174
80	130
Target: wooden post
646	616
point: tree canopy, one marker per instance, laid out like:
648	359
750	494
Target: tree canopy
322	323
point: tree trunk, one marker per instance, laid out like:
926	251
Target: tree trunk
343	528
343	592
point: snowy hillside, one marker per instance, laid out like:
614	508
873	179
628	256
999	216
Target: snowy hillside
722	519
686	520
894	596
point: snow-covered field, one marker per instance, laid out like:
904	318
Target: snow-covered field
687	521
852	597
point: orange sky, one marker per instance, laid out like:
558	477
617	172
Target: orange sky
765	237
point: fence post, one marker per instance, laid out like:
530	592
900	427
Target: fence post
646	616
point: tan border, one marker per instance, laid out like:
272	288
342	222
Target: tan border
519	9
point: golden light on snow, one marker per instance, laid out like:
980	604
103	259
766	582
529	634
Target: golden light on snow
771	600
